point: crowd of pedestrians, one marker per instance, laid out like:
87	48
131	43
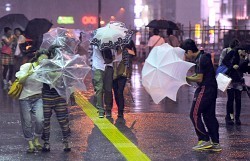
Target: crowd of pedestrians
111	69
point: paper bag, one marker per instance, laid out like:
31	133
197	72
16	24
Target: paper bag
223	82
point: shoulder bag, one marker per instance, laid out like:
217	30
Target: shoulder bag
6	50
17	87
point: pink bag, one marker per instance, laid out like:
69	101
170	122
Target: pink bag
6	50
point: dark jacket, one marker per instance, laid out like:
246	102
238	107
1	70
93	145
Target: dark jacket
232	58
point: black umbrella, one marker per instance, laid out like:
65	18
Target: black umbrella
163	24
153	24
13	21
37	27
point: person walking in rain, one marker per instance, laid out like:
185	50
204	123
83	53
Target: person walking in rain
122	73
171	39
155	40
236	61
18	54
204	102
102	79
31	104
233	44
53	101
7	56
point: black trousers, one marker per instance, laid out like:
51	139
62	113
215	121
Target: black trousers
7	68
233	95
204	107
107	86
118	86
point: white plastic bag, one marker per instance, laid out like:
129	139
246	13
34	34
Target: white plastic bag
223	82
247	79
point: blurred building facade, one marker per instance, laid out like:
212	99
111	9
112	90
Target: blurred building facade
119	10
206	21
210	12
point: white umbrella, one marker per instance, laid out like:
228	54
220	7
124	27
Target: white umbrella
112	35
164	72
64	72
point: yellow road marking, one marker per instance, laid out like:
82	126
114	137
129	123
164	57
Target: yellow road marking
129	150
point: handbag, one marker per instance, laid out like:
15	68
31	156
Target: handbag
6	49
17	87
223	81
222	69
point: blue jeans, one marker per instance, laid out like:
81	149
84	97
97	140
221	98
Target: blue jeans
32	107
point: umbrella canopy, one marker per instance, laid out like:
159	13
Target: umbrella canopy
64	72
164	72
84	38
37	27
66	38
112	35
13	21
163	24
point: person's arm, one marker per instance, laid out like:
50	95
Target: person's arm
195	78
8	42
243	66
23	79
150	44
198	77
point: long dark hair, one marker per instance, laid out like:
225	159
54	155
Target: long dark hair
18	29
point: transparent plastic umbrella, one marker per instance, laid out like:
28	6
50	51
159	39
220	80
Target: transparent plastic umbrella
64	72
84	38
66	38
164	72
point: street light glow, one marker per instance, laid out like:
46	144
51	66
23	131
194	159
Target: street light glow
7	8
122	9
102	22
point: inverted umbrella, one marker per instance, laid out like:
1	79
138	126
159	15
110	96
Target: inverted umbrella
64	72
37	27
163	24
164	72
111	36
13	21
66	38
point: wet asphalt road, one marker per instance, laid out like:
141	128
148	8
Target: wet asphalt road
163	132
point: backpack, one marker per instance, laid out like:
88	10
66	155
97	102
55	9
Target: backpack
107	56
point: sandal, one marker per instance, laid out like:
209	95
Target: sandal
66	146
46	147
